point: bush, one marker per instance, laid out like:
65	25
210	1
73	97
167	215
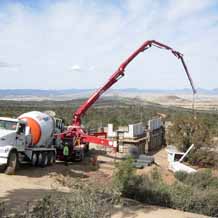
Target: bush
181	175
186	131
180	196
191	192
142	188
196	192
146	190
80	203
203	158
205	202
124	174
201	180
2	209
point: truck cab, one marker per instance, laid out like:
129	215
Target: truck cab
29	138
14	135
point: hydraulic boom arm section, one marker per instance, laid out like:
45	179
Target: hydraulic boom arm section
119	73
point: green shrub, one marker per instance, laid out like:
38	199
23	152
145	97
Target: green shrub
186	131
205	202
80	203
180	196
203	158
181	175
124	174
202	180
2	209
142	188
196	193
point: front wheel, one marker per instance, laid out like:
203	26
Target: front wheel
12	163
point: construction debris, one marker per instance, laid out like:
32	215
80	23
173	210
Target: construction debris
175	165
143	161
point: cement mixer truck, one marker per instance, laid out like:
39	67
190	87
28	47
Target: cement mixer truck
29	138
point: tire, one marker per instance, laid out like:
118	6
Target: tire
34	160
40	159
44	161
82	155
51	158
86	149
12	163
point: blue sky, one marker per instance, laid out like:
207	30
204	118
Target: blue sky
56	44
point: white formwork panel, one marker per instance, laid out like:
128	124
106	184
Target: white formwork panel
135	130
154	123
110	132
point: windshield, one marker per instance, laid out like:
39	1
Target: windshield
9	125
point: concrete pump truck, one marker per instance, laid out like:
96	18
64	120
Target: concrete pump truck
38	137
76	135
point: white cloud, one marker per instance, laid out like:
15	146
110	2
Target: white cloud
184	8
99	36
4	65
76	68
80	69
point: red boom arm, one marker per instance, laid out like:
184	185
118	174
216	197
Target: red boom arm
119	73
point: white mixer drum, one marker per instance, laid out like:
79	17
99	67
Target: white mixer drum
42	127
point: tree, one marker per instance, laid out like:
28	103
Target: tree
187	130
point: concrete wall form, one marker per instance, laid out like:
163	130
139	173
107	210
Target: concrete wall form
134	130
155	123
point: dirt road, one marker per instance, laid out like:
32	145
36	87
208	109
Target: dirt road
142	211
31	183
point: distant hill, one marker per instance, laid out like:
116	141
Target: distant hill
39	92
51	92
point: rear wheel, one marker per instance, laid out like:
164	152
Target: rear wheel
12	163
34	159
86	148
81	155
51	158
39	159
44	161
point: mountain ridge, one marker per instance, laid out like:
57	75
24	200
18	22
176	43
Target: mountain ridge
56	92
